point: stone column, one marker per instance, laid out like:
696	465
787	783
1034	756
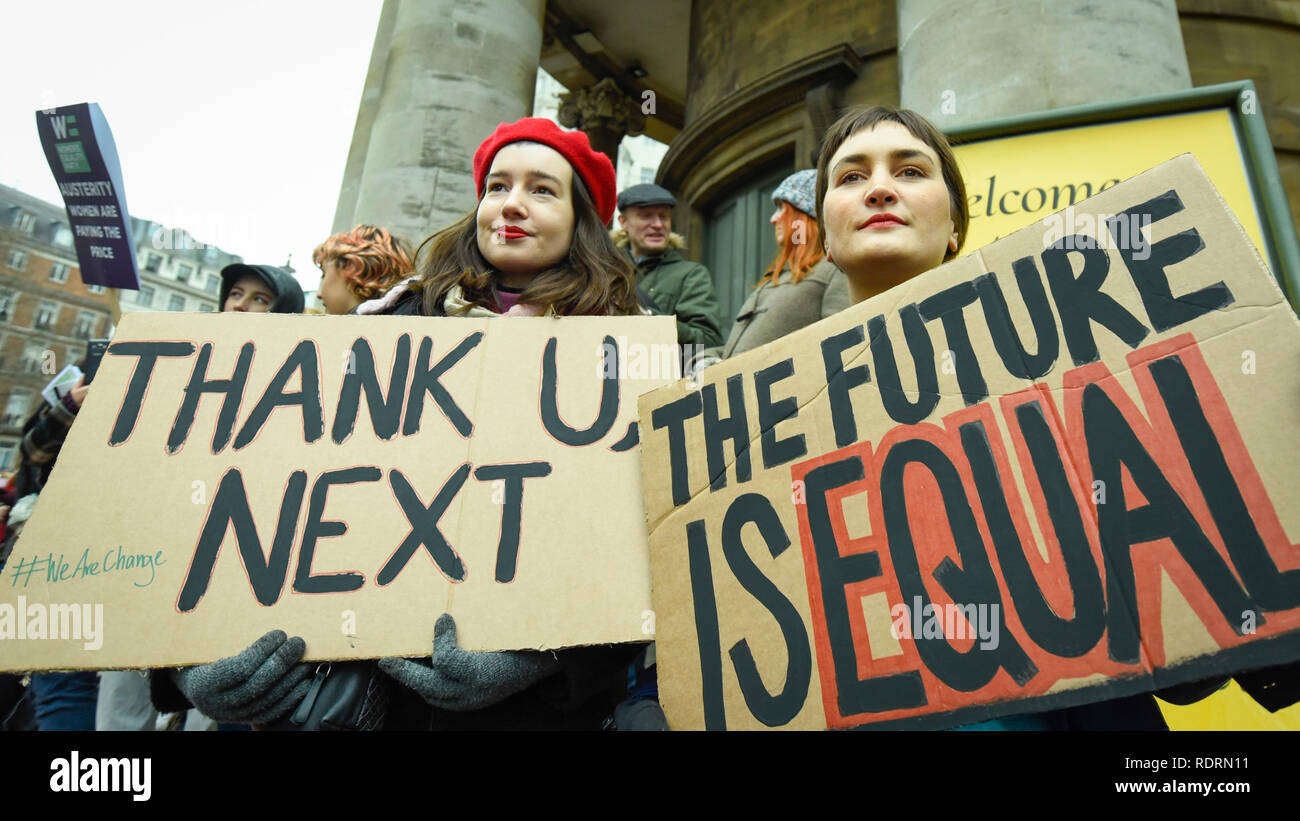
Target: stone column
1020	56
370	94
604	113
452	73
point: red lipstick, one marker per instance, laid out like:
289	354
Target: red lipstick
883	220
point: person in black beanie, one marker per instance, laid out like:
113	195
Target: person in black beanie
260	289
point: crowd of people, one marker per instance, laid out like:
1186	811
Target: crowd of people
885	203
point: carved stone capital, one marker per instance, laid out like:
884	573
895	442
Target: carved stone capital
603	112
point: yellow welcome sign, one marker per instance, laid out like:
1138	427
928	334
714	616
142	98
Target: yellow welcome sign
1016	181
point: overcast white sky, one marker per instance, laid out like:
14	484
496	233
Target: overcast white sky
232	119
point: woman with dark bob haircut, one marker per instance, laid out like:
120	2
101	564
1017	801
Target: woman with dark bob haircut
891	201
892	205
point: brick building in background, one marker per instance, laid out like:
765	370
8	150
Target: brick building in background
47	314
45	307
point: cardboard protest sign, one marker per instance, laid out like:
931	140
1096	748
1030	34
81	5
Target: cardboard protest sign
345	479
1056	470
79	147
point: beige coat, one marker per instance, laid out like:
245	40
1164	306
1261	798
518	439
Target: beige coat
772	311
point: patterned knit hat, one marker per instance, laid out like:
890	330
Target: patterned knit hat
799	189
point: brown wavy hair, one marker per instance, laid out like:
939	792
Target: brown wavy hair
800	256
868	117
385	259
594	278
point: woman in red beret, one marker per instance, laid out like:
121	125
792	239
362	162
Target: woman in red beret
536	244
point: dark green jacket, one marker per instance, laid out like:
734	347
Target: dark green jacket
683	288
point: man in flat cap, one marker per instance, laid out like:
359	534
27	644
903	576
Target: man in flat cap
673	283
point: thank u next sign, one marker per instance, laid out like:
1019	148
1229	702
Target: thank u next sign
1054	471
348	479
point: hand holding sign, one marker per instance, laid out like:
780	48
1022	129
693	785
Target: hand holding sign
257	686
460	680
79	391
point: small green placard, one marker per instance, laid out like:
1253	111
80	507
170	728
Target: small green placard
73	157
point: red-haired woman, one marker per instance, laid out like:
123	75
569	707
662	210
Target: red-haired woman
799	287
359	265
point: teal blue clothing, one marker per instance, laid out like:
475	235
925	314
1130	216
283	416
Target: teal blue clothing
1033	721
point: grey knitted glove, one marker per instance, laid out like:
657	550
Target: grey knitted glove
460	680
257	686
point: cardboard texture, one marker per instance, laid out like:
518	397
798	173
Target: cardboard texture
1056	470
487	468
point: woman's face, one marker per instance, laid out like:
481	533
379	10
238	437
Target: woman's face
249	294
887	212
775	219
525	219
334	292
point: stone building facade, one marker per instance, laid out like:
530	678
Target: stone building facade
741	92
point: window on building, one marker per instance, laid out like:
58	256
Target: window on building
33	353
177	303
16	407
17	259
153	262
85	324
46	314
144	297
206	307
8	455
648	174
95	289
183	272
8	299
25	222
214	283
63	236
59	272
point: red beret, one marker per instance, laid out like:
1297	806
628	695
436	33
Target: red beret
593	167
